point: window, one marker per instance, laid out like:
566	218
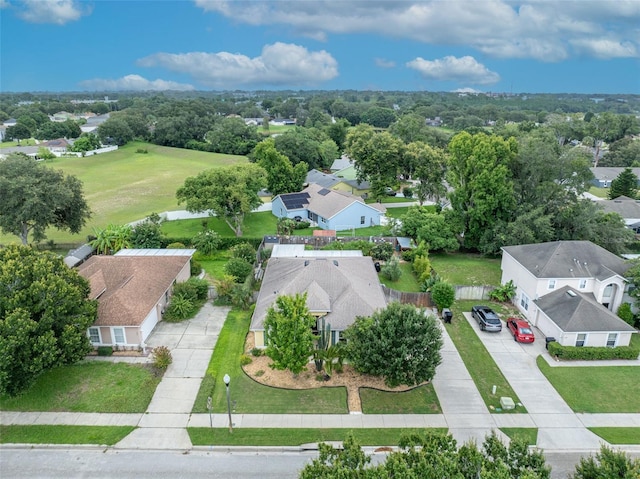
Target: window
583	284
362	220
607	291
552	284
94	335
612	339
524	302
118	335
581	340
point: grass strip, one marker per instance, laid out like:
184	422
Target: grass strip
91	386
529	434
50	434
596	389
248	396
618	435
420	400
203	436
483	369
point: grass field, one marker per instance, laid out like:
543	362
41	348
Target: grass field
88	387
530	434
204	436
256	225
407	281
123	186
599	192
48	434
250	396
618	435
481	366
467	269
420	400
595	389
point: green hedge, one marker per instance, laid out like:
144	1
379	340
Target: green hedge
592	353
225	243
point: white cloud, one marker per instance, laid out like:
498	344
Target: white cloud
462	70
279	64
58	12
540	29
603	48
383	63
134	83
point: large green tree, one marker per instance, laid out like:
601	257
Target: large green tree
44	316
282	176
625	184
483	191
229	193
232	136
427	165
35	197
399	343
607	463
115	130
288	333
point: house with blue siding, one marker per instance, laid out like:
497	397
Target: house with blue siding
328	209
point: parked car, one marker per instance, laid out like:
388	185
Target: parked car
521	330
487	318
389	191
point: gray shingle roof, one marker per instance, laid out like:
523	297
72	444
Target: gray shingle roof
624	206
323	179
342	287
576	312
568	259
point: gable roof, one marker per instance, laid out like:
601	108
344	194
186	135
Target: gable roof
575	312
568	259
611	172
323	179
341	163
324	202
128	287
343	288
623	205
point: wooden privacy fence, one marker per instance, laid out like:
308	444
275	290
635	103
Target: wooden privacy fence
473	292
421	300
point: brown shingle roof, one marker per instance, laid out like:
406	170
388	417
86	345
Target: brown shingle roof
128	287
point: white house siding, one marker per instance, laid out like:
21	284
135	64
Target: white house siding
148	324
618	292
351	215
596	338
546	326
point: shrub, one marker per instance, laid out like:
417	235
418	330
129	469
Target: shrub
392	270
206	242
443	294
382	251
625	313
238	268
162	357
105	350
224	288
193	289
257	352
259	373
407	192
592	353
195	268
244	360
422	267
409	255
300	225
241	296
244	251
504	292
176	245
179	309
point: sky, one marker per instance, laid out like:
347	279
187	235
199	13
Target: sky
536	46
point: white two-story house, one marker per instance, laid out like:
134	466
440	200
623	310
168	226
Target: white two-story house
569	290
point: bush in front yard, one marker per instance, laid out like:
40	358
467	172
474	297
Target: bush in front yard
105	350
238	268
180	308
162	357
193	289
591	353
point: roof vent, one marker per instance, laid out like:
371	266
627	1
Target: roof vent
335	262
571	293
306	262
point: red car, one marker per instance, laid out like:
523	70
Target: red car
521	330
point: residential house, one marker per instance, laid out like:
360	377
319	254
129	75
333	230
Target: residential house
626	207
132	289
559	269
328	209
58	146
344	180
341	163
603	175
340	285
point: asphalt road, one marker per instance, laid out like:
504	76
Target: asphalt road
19	463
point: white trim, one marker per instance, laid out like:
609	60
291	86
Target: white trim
584	342
113	335
97	329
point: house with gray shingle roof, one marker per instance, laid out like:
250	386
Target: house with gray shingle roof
626	207
338	289
328	209
540	270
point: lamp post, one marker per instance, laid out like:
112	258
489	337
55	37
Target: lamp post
227	380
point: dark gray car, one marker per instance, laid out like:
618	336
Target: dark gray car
487	318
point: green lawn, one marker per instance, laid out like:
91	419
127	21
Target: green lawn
420	400
481	366
92	386
123	186
48	434
407	281
256	225
214	264
249	396
599	192
596	389
618	435
203	436
11	144
467	269
529	434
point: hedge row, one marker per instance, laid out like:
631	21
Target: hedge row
592	353
225	243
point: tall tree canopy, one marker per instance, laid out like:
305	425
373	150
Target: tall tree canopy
625	184
35	197
232	136
230	193
282	176
44	316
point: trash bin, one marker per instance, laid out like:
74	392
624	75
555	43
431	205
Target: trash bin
549	340
377	266
447	315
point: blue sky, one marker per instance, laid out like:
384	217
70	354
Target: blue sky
538	46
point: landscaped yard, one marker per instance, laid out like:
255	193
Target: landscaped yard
481	366
467	269
420	400
249	396
92	386
256	225
124	186
596	389
48	434
204	436
407	281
